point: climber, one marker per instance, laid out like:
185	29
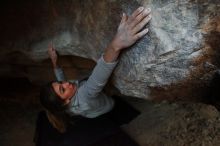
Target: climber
85	99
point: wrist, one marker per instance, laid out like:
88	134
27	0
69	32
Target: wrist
115	46
111	53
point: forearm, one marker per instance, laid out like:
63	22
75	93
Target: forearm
59	74
58	71
111	53
98	78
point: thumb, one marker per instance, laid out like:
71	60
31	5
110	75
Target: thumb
124	17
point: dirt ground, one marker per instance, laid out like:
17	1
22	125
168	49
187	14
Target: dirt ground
159	124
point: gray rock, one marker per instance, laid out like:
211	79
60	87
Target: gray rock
183	39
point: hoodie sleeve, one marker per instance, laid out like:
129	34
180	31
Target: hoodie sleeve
97	80
59	74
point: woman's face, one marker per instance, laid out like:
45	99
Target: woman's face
65	90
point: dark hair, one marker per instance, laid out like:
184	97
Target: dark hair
50	100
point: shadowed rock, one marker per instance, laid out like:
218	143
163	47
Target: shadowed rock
177	55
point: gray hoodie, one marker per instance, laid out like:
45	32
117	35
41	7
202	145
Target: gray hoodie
89	100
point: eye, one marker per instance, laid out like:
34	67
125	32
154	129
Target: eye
61	89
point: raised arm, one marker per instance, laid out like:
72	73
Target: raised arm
129	31
57	70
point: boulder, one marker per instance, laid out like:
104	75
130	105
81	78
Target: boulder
176	59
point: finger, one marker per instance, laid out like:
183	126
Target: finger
141	34
141	24
51	44
53	47
124	18
137	12
140	17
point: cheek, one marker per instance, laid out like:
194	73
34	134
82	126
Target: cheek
70	93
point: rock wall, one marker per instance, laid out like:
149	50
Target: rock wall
175	60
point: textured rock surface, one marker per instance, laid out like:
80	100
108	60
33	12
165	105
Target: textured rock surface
179	53
176	124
